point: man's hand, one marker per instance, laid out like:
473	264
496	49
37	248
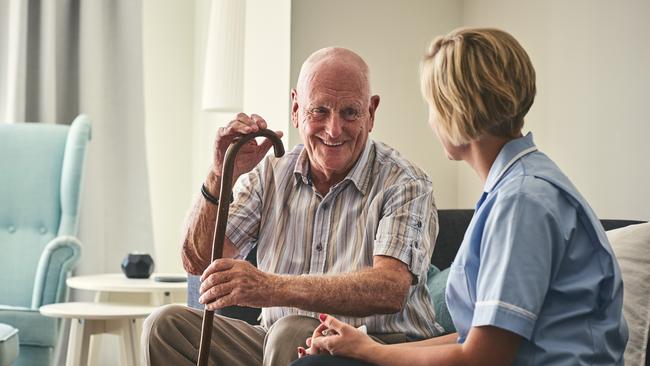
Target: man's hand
250	154
199	229
229	282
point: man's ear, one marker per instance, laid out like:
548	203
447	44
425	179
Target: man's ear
294	108
374	104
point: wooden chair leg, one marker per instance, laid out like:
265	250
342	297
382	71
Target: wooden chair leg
129	342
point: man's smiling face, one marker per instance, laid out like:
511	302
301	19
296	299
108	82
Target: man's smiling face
334	115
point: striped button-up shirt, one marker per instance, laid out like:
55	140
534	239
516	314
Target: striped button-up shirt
384	207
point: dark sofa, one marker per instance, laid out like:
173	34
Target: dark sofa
452	223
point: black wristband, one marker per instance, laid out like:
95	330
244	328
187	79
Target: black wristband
212	198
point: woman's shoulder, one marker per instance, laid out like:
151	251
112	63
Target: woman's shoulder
535	176
536	195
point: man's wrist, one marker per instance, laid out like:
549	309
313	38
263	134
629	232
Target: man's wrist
212	183
208	196
214	199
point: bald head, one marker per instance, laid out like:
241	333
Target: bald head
333	61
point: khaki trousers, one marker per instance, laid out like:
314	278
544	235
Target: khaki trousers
171	336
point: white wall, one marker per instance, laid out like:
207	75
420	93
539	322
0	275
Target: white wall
266	75
590	115
267	63
391	36
168	28
205	123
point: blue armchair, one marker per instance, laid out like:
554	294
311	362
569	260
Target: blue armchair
40	177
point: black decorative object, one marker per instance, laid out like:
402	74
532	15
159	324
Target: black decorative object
137	265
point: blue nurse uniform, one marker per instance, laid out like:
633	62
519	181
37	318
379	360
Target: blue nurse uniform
535	261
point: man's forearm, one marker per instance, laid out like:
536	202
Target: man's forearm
372	291
199	230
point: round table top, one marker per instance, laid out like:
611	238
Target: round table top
117	282
96	310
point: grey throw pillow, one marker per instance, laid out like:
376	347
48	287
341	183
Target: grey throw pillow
631	246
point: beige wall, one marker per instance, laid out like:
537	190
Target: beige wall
590	115
391	36
591	56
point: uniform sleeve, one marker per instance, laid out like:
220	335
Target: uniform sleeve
408	227
519	238
245	211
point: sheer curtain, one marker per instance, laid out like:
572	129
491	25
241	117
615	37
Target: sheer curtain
65	57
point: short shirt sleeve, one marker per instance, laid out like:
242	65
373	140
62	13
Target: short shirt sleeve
408	227
245	211
516	254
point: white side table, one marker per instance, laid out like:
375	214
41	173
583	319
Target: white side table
116	288
91	318
111	287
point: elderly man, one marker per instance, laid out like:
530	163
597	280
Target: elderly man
343	225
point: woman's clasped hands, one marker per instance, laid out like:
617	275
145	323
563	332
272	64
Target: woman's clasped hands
335	337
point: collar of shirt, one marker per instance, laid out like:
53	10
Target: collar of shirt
509	154
359	175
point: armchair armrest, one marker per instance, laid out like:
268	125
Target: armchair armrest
57	260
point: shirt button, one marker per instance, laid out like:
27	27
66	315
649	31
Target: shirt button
419	224
43	230
319	247
325	206
11	229
416	244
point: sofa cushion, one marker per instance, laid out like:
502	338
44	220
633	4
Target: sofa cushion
631	245
436	283
35	329
452	224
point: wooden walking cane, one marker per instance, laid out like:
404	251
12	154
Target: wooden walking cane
222	220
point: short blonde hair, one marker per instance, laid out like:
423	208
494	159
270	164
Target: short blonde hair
480	81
